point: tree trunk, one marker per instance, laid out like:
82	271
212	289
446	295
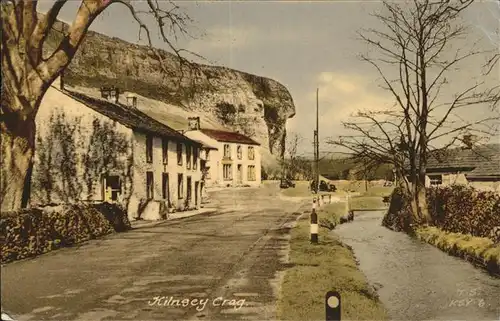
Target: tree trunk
17	149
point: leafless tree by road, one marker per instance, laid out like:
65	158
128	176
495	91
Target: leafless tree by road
27	73
417	44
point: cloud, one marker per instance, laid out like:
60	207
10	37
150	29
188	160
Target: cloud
340	96
223	38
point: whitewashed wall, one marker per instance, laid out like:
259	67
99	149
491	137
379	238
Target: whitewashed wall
215	157
244	162
141	167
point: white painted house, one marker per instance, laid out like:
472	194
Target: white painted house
105	149
236	161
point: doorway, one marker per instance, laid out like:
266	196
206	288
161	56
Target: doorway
240	174
196	186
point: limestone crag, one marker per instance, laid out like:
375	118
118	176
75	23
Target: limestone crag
253	105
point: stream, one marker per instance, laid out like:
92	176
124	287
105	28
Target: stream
415	280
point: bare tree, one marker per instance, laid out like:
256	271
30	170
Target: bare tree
27	73
416	45
290	161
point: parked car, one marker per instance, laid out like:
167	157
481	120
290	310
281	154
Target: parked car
286	183
325	187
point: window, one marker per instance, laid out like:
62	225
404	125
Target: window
251	153
436	179
112	185
188	156
227	151
195	158
239	152
179	153
149	185
149	149
180	186
227	172
251	173
164	147
165	187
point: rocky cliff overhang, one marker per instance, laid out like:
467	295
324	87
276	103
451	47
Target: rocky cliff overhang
255	106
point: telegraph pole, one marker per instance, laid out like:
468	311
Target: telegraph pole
317	139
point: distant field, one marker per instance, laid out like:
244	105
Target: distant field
375	191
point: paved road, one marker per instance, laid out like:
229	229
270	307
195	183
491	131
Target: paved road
417	281
233	255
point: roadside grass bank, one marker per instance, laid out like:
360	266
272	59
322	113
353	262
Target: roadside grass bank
371	199
316	269
367	202
480	251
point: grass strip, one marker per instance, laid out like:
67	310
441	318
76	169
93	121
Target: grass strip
317	269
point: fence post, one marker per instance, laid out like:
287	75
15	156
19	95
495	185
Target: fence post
314	223
330	197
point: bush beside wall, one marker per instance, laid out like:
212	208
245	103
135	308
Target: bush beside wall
463	209
35	231
457	208
115	214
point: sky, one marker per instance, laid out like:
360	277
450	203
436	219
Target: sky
304	45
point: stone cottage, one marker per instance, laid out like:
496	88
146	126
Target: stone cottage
104	148
472	164
235	159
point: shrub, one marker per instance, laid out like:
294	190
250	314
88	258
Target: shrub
462	209
30	232
457	208
115	214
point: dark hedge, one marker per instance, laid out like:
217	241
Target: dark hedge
457	208
30	232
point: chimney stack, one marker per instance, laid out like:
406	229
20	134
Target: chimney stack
111	94
194	123
469	141
132	100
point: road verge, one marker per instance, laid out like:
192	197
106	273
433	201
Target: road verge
316	269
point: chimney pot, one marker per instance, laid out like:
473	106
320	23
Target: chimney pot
194	123
469	140
132	100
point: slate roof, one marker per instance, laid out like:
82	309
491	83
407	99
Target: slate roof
129	117
204	145
229	137
479	161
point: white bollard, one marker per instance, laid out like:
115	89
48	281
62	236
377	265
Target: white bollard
314	223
